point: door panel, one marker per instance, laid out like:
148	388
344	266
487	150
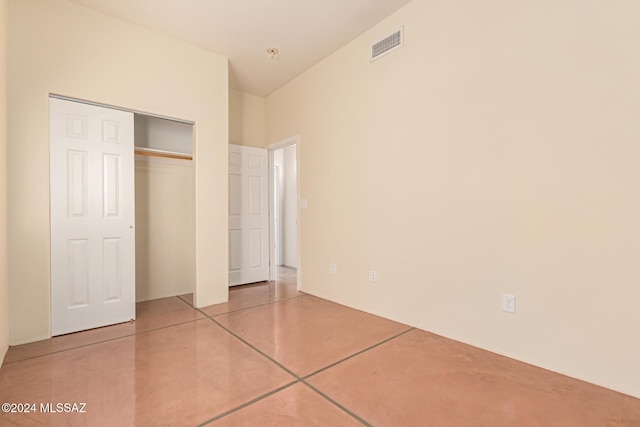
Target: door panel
78	272
255	238
77	183
248	215
92	216
112	181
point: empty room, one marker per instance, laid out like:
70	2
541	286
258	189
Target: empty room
357	212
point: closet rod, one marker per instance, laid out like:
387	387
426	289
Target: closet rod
160	153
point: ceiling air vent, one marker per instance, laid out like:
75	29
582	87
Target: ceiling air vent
387	44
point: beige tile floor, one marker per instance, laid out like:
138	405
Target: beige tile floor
273	356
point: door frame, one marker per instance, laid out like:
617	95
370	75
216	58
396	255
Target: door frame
293	140
276	218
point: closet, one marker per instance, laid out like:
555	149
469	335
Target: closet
97	153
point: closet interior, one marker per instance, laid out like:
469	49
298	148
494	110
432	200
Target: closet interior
165	207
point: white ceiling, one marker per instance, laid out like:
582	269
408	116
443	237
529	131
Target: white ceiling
305	31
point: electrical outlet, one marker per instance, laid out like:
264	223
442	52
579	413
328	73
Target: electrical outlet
508	303
334	268
373	276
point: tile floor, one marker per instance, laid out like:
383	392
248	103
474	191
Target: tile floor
273	356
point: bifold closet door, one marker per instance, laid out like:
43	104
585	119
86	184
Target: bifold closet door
92	216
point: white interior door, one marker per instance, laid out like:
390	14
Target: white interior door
92	216
248	215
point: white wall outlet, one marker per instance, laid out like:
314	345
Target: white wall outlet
508	303
334	268
373	276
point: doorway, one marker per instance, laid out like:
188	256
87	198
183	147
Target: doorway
284	224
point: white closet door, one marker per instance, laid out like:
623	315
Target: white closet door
92	216
248	215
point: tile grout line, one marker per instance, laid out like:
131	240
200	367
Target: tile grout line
322	394
105	341
184	300
386	340
142	332
244	308
301	379
258	305
211	317
250	402
296	376
326	396
281	366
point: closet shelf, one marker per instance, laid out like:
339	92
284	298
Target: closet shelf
161	153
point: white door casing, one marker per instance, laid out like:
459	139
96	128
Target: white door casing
92	216
277	213
248	215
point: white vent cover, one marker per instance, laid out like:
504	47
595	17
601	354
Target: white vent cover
387	44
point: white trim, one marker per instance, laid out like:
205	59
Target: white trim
272	226
294	140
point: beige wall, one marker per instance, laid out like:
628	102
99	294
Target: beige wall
165	223
59	47
247	115
496	152
4	278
